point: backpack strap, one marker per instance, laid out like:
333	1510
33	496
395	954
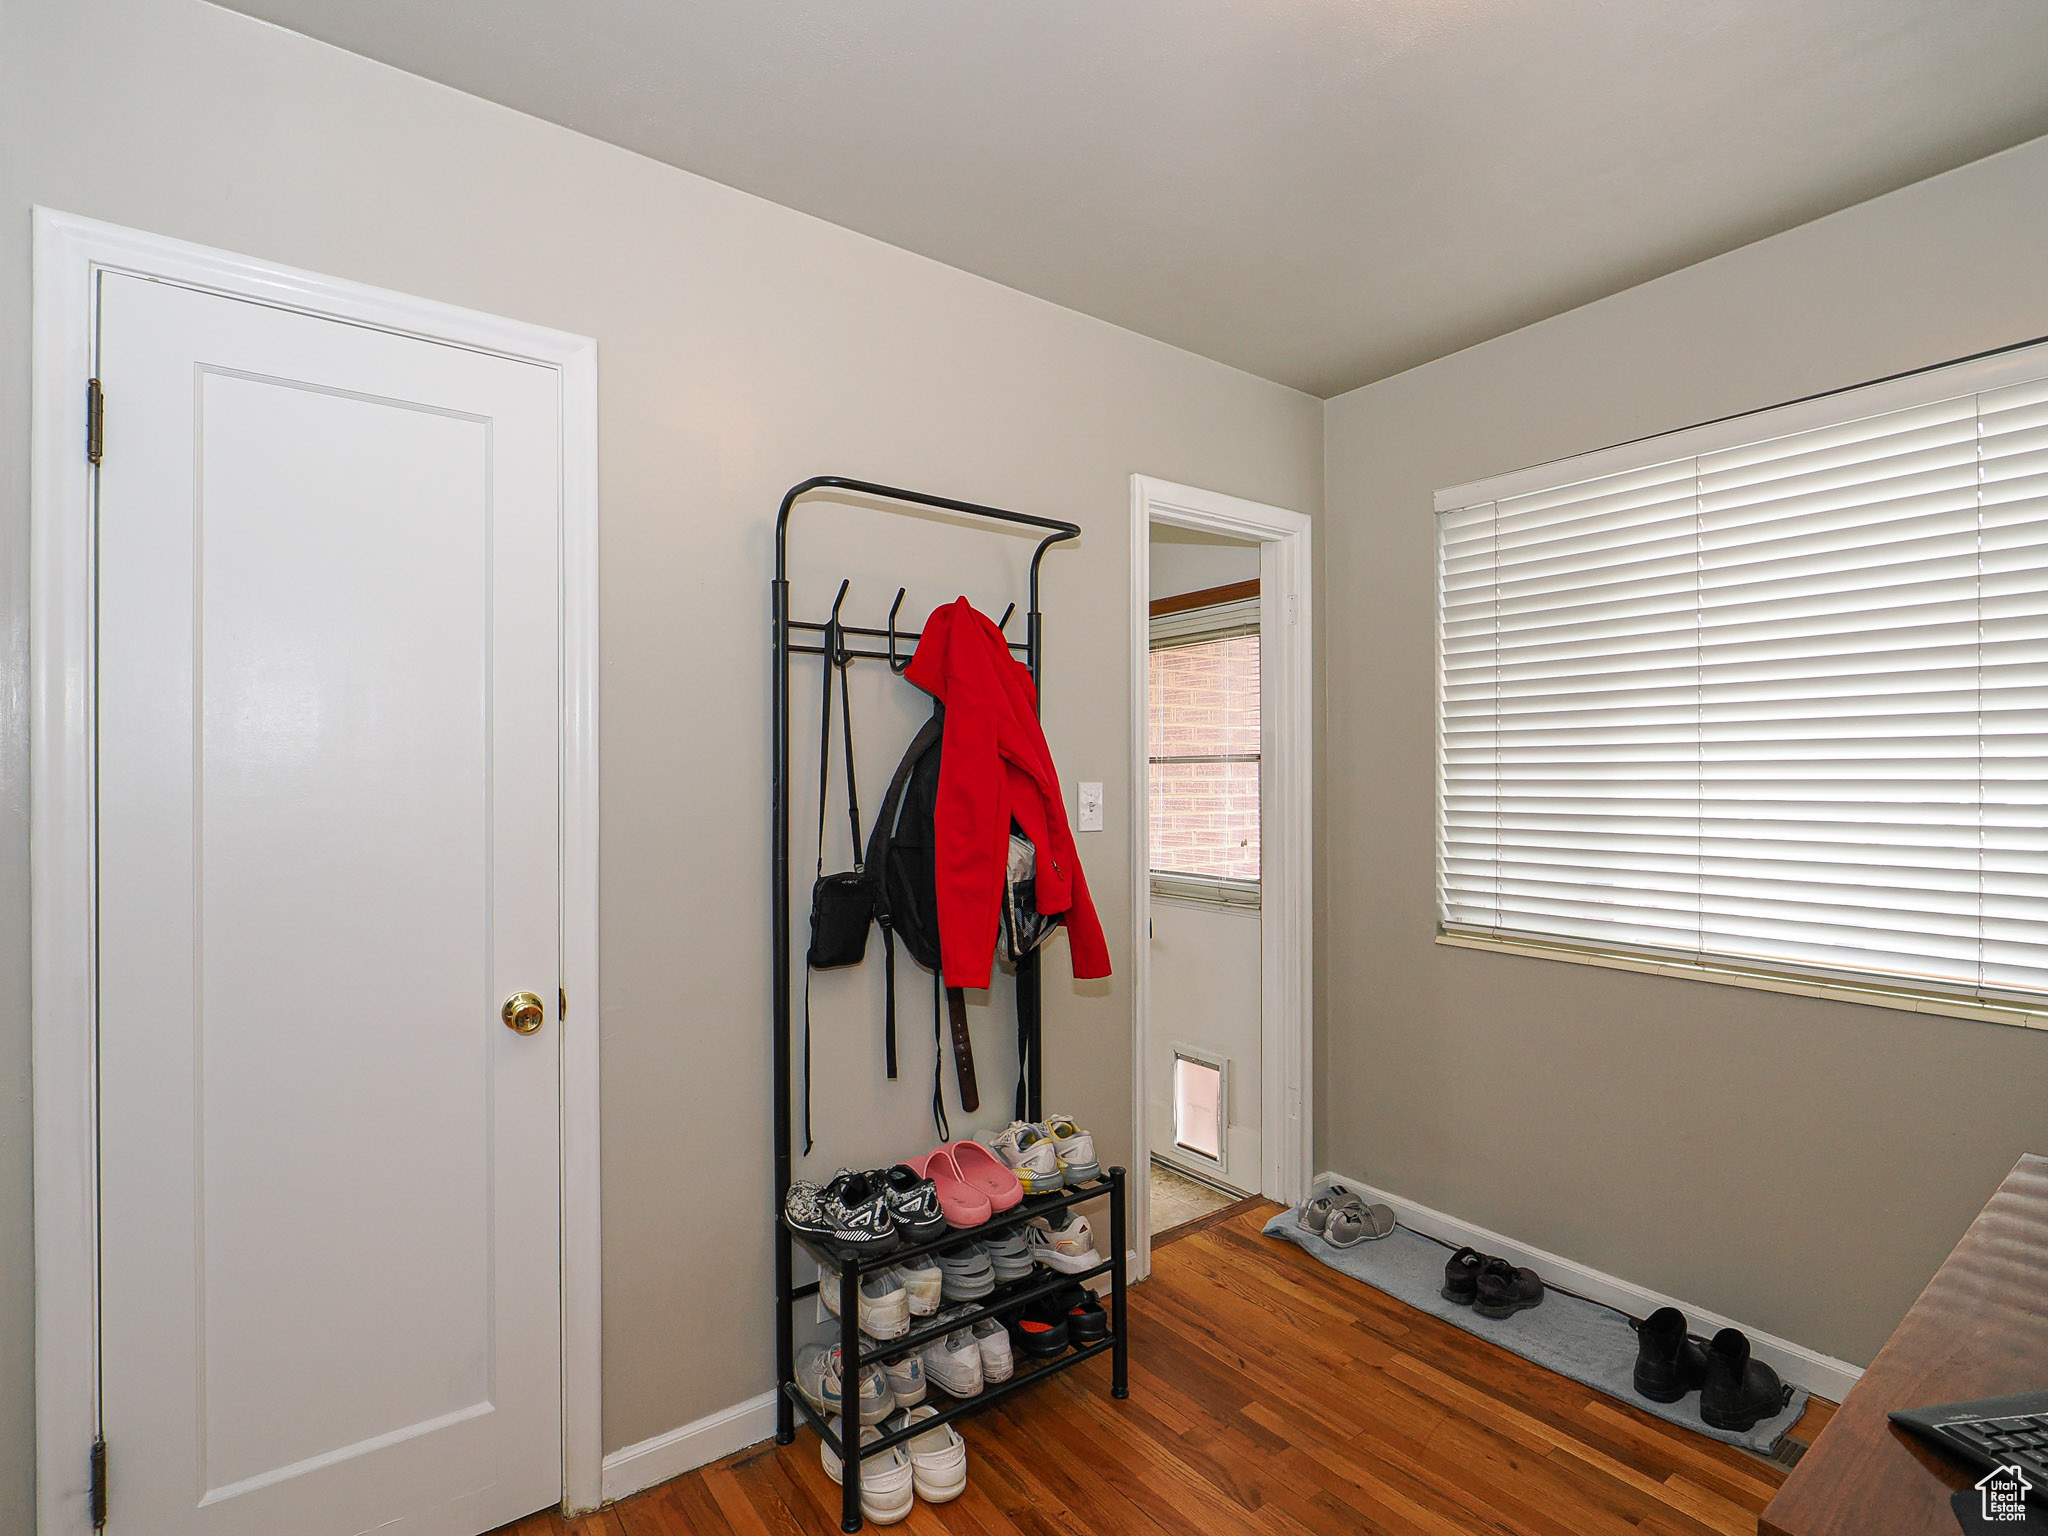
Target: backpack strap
880	836
889	993
939	1069
883	833
1027	1026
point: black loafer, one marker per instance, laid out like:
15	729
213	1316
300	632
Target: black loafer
1461	1276
1738	1391
1504	1290
1040	1328
1087	1323
1669	1361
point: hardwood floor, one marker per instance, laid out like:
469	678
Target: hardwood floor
1270	1396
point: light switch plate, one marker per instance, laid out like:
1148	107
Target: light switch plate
1090	819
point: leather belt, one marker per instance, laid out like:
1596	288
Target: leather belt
963	1049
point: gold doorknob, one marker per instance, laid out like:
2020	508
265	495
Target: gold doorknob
524	1013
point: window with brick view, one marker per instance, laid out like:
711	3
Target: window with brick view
1204	754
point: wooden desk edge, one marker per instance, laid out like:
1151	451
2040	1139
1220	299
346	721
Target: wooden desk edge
1843	1429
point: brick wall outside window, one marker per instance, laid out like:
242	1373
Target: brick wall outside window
1204	702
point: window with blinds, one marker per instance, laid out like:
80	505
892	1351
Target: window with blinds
1775	702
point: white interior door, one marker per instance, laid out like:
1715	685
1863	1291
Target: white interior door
328	851
1206	995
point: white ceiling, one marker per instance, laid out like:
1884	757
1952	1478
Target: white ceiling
1320	191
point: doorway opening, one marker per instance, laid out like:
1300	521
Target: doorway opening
1203	813
1221	753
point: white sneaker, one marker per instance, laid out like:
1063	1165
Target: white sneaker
906	1379
923	1283
884	1305
874	1399
884	1302
954	1362
994	1339
1031	1155
938	1457
818	1378
1076	1149
886	1481
1068	1249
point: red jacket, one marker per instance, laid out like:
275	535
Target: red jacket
994	769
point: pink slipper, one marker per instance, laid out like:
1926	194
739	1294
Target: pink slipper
964	1205
985	1173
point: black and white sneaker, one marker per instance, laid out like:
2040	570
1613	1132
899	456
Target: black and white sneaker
864	1197
847	1215
913	1202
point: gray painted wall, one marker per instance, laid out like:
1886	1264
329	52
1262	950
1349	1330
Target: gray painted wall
742	347
1798	1164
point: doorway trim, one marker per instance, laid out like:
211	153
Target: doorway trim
70	252
1286	830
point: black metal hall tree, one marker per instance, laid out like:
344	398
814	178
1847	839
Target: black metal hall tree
789	636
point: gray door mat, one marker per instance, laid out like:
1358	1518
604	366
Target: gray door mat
1580	1339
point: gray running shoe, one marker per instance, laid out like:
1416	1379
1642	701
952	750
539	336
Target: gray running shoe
967	1273
1008	1256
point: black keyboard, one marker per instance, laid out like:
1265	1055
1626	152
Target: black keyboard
1990	1432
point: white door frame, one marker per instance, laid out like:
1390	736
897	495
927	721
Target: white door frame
1286	830
70	252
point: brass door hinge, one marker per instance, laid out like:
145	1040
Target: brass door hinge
95	421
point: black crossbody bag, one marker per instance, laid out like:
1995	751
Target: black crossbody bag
842	905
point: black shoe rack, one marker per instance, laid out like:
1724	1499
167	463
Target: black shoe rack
792	637
1027	1371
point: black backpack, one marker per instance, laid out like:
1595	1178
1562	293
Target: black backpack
902	860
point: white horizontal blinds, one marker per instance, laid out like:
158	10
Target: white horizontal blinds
1596	665
2013	469
1782	705
1467	741
1838	698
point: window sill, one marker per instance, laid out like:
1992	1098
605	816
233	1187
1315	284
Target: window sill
1761	981
1205	890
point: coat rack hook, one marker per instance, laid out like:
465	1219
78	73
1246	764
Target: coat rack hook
835	637
1004	622
898	667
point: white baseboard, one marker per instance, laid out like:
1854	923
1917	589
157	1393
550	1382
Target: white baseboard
1818	1373
634	1467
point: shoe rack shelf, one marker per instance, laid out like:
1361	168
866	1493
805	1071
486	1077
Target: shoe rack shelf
1029	1370
790	637
1029	1374
1015	1293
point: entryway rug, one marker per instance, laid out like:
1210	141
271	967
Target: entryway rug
1581	1339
